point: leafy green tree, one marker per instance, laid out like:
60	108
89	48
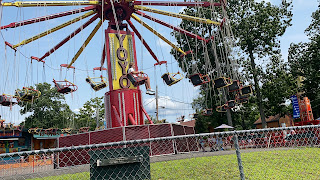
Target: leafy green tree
256	27
304	61
247	115
278	86
91	114
47	111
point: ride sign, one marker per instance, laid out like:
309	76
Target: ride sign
295	105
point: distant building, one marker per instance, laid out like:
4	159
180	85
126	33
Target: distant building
276	121
14	141
191	123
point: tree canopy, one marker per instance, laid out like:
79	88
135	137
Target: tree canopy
256	27
278	85
91	114
47	111
304	61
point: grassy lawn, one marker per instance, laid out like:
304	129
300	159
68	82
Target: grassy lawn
279	164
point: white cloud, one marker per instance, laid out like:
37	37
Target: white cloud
167	106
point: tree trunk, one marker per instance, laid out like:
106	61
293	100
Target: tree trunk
257	89
229	117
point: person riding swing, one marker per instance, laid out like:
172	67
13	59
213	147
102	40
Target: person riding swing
137	78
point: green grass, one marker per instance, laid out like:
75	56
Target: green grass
278	164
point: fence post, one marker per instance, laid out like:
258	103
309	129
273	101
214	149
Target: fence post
236	145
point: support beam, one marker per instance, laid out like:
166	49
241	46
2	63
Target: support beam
54	29
70	36
156	33
49	3
167	3
170	26
142	40
131	120
181	16
117	115
45	18
146	114
84	45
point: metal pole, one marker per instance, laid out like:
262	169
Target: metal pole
97	117
157	105
236	145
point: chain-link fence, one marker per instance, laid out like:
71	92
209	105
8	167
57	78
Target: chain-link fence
277	153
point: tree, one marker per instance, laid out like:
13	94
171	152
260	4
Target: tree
304	61
257	27
91	114
278	86
247	115
47	111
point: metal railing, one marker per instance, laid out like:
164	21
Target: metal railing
275	153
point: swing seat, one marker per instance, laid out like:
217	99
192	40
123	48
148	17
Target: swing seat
207	112
31	130
1	124
65	87
199	79
6	101
169	78
37	130
230	104
84	129
235	86
246	90
195	116
8	126
96	85
222	82
67	130
221	108
34	130
51	131
139	80
27	94
242	99
18	128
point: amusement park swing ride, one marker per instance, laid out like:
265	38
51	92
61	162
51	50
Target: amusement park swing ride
123	101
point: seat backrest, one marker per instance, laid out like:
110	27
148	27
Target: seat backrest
88	80
59	86
195	79
99	86
220	82
234	86
167	78
132	79
246	90
21	93
2	98
242	100
195	116
231	104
